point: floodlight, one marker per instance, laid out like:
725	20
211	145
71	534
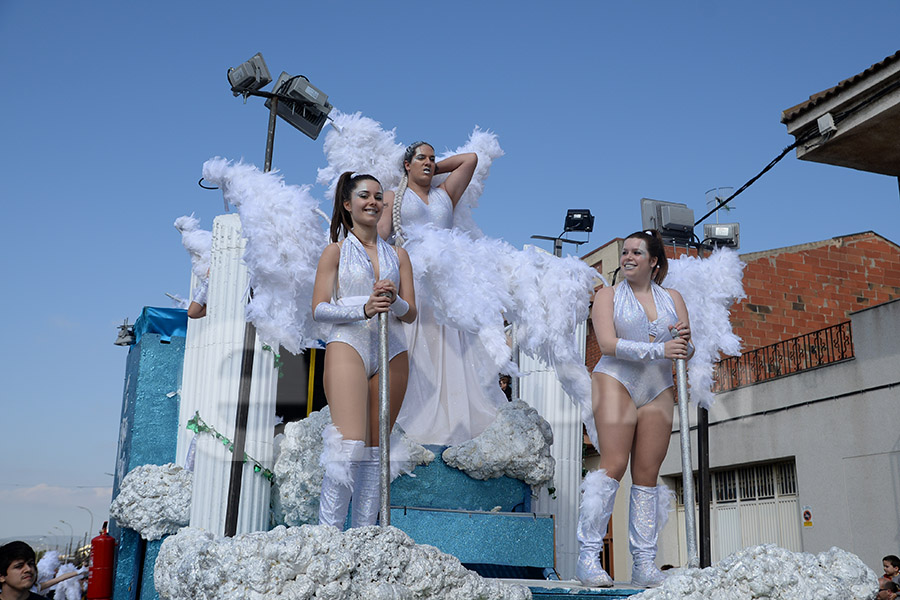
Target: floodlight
674	221
579	220
126	335
250	76
301	104
723	234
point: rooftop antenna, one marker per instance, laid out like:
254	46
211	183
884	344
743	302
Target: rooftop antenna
716	196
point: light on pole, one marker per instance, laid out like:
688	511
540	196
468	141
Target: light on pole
72	529
305	107
91	530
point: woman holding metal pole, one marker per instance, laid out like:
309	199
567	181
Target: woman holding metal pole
636	322
359	275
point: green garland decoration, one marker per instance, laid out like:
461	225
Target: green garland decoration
197	425
278	361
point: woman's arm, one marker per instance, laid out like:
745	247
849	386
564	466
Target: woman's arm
602	319
461	168
55	580
386	221
407	290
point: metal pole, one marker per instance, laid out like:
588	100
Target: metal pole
686	462
384	418
514	381
91	530
705	488
243	408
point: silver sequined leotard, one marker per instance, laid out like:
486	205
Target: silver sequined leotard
353	288
644	380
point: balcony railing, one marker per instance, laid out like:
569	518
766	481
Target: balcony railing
823	347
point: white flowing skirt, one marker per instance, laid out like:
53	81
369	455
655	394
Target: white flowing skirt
453	393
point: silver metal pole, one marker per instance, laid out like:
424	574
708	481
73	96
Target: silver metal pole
384	418
687	469
514	381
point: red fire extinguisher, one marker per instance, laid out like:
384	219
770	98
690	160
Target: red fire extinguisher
100	572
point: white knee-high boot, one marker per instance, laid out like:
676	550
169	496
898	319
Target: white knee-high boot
597	500
367	491
648	514
340	458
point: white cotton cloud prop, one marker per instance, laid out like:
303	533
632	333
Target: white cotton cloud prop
709	287
517	444
154	500
768	572
285	238
298	470
316	562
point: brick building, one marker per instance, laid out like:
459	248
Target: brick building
799	289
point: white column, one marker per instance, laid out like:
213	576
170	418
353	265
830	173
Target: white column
212	372
541	390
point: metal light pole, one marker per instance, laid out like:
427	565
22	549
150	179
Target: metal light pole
243	408
71	537
91	530
247	80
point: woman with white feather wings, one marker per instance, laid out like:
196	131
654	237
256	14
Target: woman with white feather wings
468	283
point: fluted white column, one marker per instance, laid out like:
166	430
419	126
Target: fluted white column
212	372
542	390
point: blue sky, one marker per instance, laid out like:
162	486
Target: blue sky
110	109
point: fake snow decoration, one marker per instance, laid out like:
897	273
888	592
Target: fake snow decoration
772	573
316	562
709	287
298	472
517	444
154	500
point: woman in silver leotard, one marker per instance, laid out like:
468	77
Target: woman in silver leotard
357	278
640	327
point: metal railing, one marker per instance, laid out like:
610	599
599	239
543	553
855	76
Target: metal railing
823	347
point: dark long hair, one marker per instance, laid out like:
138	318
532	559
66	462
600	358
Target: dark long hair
655	249
341	221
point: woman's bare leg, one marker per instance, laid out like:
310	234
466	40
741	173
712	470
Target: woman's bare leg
651	438
399	376
616	419
346	390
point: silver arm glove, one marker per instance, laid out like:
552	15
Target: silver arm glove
326	312
399	307
639	351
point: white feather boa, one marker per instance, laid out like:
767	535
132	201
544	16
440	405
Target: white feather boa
709	287
285	238
197	242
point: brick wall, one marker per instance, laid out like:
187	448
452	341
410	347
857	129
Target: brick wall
798	289
795	290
